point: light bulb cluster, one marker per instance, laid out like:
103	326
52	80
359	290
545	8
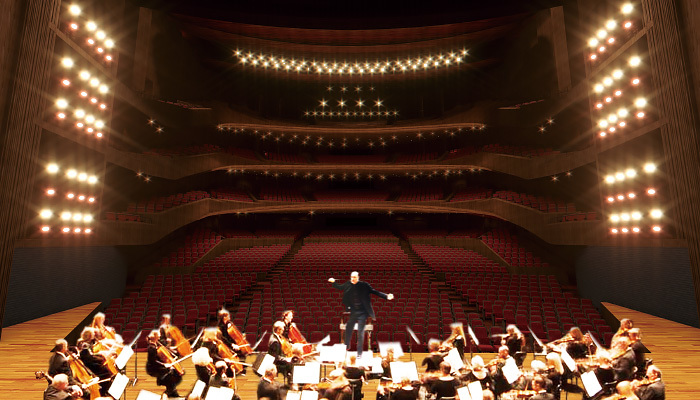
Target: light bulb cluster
346	67
69	209
634	205
613	33
89	35
345	113
81	100
629	174
357	176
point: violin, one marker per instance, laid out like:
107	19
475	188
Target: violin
240	340
295	336
168	358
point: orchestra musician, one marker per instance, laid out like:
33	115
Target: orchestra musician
94	362
456	339
604	372
340	388
480	373
639	351
275	347
539	368
446	385
58	363
539	386
651	388
625	325
166	375
267	387
515	340
623	359
59	389
500	383
203	364
405	392
624	391
432	361
163	329
287	318
225	325
98	323
357	300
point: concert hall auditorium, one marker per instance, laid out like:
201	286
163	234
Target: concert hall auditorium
341	200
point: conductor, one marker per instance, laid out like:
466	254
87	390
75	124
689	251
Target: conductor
356	299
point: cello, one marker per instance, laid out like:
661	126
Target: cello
181	344
295	336
240	340
82	374
168	358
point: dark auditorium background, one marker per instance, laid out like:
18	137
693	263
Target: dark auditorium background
147	141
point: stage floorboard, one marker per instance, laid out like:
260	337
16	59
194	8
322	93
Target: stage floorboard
25	347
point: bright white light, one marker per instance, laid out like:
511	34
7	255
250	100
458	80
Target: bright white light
593	42
71	173
635	229
67	62
91	26
607	81
598	88
624	230
100	35
612	118
611	199
45	228
80	113
70	195
81	197
620	197
103	89
603	123
636	215
91	199
614	218
74	10
87	218
610	25
631	195
617	74
65	216
656	228
630	173
82	176
89	119
94	82
640	102
99	124
656	213
649	168
609	179
620	176
52	168
66	229
613	230
50	192
635	61
92	180
651	191
627	8
84	75
623	112
88	230
77	217
625	217
109	43
46	214
601	34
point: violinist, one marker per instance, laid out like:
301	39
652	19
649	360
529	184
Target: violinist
432	362
605	372
456	339
515	340
405	392
539	368
166	375
267	387
340	388
446	385
500	383
623	359
59	389
651	388
275	347
58	363
538	385
480	373
639	351
625	391
625	325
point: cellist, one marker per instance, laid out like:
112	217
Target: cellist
94	362
58	363
166	375
98	323
171	337
226	326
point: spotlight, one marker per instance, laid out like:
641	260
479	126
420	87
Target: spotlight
81	197
52	168
71	173
89	119
607	81
92	180
625	217
609	179
91	199
602	133
618	93
50	192
610	25
91	26
65	216
623	112
603	123
636	215
635	81
640	102
635	61
98	134
622	124
74	26
619	176
45	228
109	43
649	168
593	42
598	88
630	173
87	230
627	8
611	199
613	230
599	105
620	197
65	229
635	229
67	62
651	191
656	228
108	57
70	195
614	218
601	34
627	25
631	195
79	113
87	218
94	82
99	124
100	35
84	75
65	82
624	230
76	230
45	214
77	217
103	89
656	213
640	114
593	56
79	124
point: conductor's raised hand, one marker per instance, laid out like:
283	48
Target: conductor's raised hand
331	280
390	296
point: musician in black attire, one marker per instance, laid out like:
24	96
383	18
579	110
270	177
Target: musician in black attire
432	362
165	376
446	385
59	389
538	385
287	318
267	387
58	363
479	373
639	351
405	392
624	362
515	342
500	383
93	362
654	389
356	299
274	348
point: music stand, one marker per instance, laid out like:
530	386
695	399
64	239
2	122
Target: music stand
414	337
539	343
473	338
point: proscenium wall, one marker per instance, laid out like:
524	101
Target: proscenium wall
653	280
45	280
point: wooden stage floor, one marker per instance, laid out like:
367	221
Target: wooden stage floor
25	347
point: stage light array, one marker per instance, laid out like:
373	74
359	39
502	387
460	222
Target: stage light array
631	200
68	201
81	99
89	35
613	32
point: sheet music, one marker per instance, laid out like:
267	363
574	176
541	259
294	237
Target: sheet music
198	388
118	385
219	393
376	365
472	335
293	395
400	369
124	357
570	363
309	395
463	393
308	373
332	354
384	346
510	370
476	391
266	363
146	395
455	360
591	383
